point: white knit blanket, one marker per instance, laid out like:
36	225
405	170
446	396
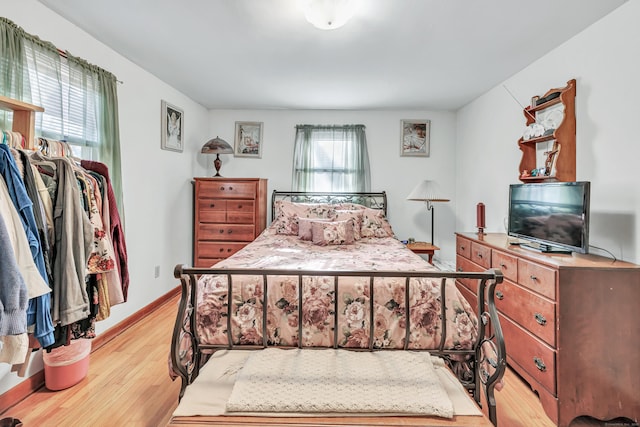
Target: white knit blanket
327	380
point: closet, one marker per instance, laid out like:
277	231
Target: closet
63	212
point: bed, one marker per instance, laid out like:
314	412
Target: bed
327	319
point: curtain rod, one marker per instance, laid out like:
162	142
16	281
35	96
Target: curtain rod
64	55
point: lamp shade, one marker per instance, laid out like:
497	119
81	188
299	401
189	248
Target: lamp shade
217	146
426	191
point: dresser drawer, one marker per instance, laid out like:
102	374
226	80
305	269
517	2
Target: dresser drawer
481	254
538	278
225	232
218	249
463	247
206	262
531	354
240	211
508	264
463	264
210	210
226	190
534	313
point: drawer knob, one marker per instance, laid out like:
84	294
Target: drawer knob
229	250
479	255
462	248
459	268
533	277
212	205
221	249
221	188
503	265
239	206
230	188
229	231
540	319
221	231
539	364
499	295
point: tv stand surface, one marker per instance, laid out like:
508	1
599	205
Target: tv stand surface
568	324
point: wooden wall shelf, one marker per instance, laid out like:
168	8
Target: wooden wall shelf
24	118
564	138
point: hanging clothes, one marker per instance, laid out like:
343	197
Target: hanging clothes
73	239
39	311
116	230
14	300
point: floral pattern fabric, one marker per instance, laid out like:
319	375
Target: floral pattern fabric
325	310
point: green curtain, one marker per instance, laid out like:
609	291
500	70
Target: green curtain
80	99
331	158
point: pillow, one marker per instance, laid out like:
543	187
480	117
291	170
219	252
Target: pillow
350	206
352	214
287	214
304	227
325	233
374	224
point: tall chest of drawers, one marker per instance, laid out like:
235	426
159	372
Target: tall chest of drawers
570	325
228	214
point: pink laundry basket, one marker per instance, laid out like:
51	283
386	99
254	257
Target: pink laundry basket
66	366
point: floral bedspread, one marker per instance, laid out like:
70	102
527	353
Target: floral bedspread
320	302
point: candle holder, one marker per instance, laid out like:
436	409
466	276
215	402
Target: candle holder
480	218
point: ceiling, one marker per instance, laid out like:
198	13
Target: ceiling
393	54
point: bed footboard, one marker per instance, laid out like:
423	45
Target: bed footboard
220	310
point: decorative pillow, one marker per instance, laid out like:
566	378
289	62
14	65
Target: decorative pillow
352	214
349	206
332	232
374	224
304	227
288	213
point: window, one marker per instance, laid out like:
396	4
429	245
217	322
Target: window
80	99
70	100
331	159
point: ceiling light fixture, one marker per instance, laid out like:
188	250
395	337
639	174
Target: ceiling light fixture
329	14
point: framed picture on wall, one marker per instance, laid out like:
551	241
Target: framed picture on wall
248	139
172	131
414	137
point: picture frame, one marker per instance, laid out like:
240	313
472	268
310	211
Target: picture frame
415	138
172	129
248	139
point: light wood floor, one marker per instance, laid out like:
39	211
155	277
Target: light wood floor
128	385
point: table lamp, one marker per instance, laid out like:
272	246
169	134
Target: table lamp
217	146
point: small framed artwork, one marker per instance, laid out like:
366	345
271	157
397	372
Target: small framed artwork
414	137
248	139
172	132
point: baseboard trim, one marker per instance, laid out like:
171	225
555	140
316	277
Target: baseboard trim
21	391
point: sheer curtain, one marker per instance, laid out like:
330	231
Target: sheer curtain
331	158
80	99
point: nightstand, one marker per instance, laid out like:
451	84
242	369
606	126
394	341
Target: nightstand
423	248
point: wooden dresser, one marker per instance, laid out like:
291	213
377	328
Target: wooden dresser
228	214
570	324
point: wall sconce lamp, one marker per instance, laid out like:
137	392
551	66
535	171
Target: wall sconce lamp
427	191
217	146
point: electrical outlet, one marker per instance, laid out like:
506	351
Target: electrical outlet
157	271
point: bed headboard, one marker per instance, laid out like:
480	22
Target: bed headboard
372	200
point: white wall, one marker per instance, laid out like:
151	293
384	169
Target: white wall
604	61
157	188
389	171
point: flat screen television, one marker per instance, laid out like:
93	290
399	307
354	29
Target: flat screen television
551	217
